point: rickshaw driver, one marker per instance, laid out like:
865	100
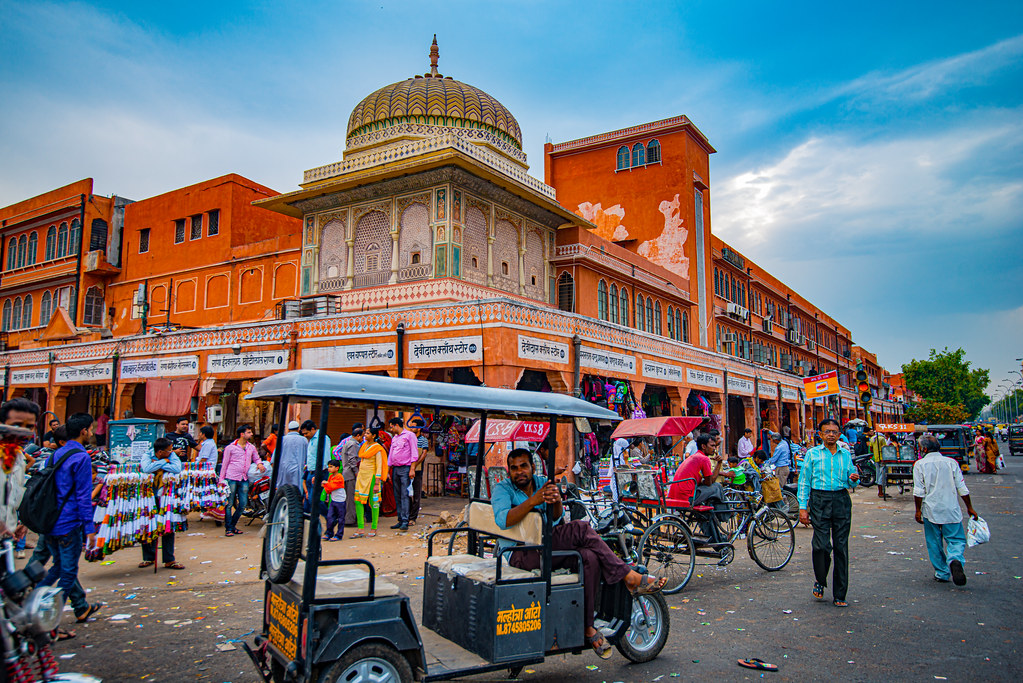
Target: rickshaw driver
525	491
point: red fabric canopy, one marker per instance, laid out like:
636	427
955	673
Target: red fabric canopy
499	431
170	396
656	426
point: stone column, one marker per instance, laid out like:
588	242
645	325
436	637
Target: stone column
522	267
350	274
490	260
394	257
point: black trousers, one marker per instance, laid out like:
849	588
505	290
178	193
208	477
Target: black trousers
831	516
166	549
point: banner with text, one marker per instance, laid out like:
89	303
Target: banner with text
599	359
356	355
531	348
173	366
789	393
769	390
445	349
904	427
33	376
703	378
740	385
671	373
247	361
820	386
84	373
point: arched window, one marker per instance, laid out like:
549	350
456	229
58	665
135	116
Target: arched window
93	313
613	301
75	238
33	243
671	323
623	305
638	154
657	317
62	241
26	314
16	314
566	292
12	253
653	152
639	312
717	282
51	244
44	309
624	158
684	324
22	249
602	300
5	323
649	315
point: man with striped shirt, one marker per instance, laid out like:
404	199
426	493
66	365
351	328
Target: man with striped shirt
824	479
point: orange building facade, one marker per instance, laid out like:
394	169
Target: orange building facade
430	246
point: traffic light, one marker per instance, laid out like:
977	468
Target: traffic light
862	385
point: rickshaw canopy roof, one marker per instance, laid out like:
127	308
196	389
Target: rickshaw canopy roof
501	431
656	426
394	392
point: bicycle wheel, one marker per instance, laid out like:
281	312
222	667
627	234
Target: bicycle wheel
667	551
789	504
771	540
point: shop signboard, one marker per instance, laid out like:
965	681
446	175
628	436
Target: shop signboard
768	389
789	393
820	386
33	376
902	427
599	359
740	385
355	355
662	371
94	373
704	379
248	361
543	350
445	350
169	366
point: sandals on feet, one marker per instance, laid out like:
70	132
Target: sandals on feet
841	603
358	535
173	565
600	645
757	664
147	563
64	634
93	608
818	591
648	585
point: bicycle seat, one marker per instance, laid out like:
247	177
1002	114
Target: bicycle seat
703	508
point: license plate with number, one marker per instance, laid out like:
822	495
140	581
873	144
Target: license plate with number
264	496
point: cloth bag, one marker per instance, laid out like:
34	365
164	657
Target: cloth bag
771	490
977	532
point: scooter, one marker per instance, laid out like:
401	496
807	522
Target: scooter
867	469
259	494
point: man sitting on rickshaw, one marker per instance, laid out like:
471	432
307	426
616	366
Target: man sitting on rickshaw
522	492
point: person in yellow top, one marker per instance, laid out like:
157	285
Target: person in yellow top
372	473
875	442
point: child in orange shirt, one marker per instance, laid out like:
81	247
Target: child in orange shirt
334	487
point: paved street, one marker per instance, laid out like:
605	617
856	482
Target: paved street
900	625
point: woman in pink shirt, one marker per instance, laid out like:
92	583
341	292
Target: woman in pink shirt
234	469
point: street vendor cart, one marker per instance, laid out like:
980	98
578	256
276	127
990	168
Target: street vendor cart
337	620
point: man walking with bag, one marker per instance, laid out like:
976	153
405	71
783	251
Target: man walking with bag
824	479
937	486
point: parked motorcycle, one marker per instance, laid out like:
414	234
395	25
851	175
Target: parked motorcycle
29	616
259	496
867	468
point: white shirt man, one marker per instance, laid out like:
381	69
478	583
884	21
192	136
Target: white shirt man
937	486
745	446
691	446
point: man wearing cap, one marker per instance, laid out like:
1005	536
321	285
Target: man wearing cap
416	425
293	453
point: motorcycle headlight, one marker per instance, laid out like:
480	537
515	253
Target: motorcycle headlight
43	608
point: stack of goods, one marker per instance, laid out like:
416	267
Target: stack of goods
129	510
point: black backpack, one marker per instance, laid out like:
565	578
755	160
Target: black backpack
39	510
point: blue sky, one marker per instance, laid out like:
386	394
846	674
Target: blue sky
870	155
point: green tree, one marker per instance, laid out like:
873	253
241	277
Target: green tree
946	377
937	413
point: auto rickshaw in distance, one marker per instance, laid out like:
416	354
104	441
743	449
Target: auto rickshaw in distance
479	613
956	442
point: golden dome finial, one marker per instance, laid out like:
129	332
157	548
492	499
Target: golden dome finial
434	56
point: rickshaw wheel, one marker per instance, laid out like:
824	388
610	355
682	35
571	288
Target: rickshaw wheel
282	545
667	551
648	631
771	541
369	663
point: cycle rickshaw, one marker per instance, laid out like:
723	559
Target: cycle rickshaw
336	620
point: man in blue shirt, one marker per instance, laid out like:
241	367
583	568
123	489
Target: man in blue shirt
74	492
781	457
824	479
523	492
313	435
163	459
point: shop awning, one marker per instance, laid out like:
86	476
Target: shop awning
656	426
500	431
170	396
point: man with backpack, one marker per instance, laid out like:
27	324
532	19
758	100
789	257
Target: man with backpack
71	501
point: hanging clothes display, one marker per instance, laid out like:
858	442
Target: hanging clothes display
128	512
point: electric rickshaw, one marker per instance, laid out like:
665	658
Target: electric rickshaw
331	620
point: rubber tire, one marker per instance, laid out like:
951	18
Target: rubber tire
451	541
792	504
292	496
683	530
868	474
368	651
625	647
786	530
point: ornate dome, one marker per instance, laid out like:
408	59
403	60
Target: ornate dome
434	100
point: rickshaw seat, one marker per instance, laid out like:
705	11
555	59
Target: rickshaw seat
351	582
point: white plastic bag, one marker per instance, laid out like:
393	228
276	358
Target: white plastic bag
977	532
411	493
1001	462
